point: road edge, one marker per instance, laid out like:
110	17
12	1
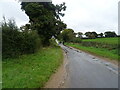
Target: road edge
106	59
57	80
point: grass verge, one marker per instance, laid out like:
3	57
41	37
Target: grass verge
31	71
97	51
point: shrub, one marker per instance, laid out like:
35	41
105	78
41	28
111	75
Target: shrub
16	43
76	40
53	43
9	37
29	42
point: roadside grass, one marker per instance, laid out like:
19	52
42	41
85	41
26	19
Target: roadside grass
31	71
111	54
111	40
0	72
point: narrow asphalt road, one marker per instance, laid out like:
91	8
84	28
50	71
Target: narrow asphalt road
87	71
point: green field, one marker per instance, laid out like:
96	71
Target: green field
105	47
31	71
103	40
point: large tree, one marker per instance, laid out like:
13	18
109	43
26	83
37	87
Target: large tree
101	34
110	34
91	34
67	35
45	18
95	34
80	34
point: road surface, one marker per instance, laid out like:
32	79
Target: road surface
87	71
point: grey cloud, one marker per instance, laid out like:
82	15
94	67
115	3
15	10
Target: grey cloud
88	15
81	15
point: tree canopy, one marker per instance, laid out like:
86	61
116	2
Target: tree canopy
110	34
45	18
91	34
80	34
67	35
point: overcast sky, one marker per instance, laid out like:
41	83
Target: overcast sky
80	15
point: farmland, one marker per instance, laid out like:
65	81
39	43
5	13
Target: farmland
103	40
105	47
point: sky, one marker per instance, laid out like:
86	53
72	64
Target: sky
80	15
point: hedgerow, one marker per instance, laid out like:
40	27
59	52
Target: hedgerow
16	42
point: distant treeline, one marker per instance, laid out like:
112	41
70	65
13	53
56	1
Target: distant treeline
91	35
68	35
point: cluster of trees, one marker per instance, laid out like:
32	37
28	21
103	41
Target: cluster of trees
91	34
110	34
44	22
68	35
95	35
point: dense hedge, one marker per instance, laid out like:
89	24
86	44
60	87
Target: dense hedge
16	42
76	40
102	45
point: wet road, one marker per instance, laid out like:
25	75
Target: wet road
87	71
